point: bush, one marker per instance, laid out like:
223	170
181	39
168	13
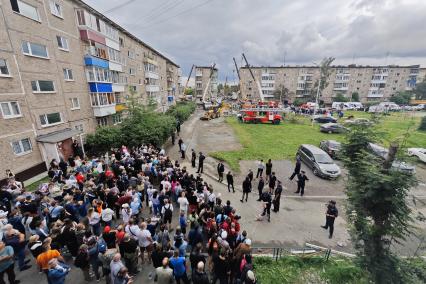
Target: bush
422	126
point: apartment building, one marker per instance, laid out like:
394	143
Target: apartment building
206	82
66	69
372	83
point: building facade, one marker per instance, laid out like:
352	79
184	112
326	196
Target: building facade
372	83
206	78
66	69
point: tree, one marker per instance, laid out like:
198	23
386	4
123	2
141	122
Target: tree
104	139
189	91
420	91
340	98
379	215
401	98
325	71
280	93
422	126
355	97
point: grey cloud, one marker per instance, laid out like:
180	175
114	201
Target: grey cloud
306	30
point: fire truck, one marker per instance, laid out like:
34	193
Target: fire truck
263	112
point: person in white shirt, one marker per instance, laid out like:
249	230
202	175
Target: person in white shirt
94	221
126	213
183	203
132	229
145	242
260	168
106	215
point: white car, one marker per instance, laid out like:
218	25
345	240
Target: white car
419	152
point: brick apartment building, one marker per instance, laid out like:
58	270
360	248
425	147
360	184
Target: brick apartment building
206	79
66	69
372	83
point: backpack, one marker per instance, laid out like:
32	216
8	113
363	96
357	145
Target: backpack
167	212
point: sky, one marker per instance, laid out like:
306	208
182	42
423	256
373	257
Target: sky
275	32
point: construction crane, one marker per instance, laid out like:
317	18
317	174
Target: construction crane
262	99
236	68
208	82
187	80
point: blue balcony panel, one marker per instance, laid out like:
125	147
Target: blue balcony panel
100	87
93	61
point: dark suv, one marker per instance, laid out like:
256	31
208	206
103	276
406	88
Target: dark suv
319	161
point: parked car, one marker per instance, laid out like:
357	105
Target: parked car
357	121
332	147
333	128
419	107
324	119
418	152
382	153
319	161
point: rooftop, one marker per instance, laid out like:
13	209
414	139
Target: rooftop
336	66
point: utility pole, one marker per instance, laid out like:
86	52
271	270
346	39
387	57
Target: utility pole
317	96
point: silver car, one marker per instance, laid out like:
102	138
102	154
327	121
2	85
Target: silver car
382	152
319	161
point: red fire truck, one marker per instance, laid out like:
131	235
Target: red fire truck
261	113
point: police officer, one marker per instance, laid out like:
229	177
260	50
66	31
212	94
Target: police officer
330	216
193	157
301	179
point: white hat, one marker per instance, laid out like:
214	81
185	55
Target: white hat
125	205
247	242
3	213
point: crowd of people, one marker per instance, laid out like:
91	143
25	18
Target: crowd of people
113	215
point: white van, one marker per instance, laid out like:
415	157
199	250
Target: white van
356	105
340	106
390	106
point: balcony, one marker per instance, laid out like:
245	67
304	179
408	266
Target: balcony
169	79
88	35
151	75
115	67
152	88
100	111
116	88
199	74
374	95
94	61
100	87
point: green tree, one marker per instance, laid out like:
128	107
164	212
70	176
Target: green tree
189	91
325	71
104	139
422	126
280	93
355	97
377	208
420	91
401	98
340	98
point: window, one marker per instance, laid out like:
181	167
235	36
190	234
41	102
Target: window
22	146
62	43
121	41
131	71
4	70
79	127
102	121
56	9
42	86
25	9
116	118
10	110
102	99
50	119
34	49
131	54
68	74
75	103
80	17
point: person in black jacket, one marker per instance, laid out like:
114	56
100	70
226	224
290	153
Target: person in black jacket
330	216
301	179
260	187
200	276
230	180
220	170
201	158
193	158
246	188
296	168
268	167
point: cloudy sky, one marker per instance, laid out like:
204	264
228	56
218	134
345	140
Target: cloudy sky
201	32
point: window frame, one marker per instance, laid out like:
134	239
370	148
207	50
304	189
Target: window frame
38	87
50	124
73	106
68	71
8	75
9	103
28	43
38	20
63	39
21	146
53	9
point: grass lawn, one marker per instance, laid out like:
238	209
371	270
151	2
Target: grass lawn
35	185
267	141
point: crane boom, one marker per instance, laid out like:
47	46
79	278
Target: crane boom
208	82
236	68
262	99
189	77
